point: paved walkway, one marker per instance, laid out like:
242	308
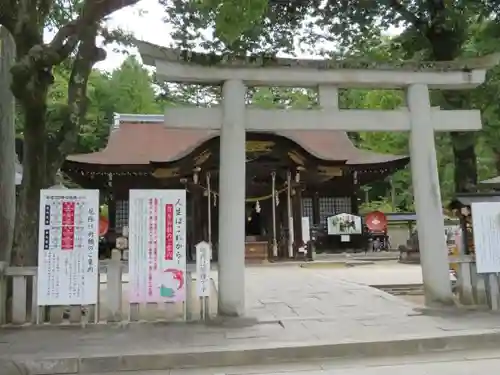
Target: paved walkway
454	363
292	304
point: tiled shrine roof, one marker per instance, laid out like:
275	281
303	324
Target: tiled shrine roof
142	143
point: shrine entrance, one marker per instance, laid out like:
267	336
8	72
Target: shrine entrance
233	119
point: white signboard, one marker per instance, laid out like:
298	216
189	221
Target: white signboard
157	246
68	247
345	238
344	224
306	230
486	226
203	252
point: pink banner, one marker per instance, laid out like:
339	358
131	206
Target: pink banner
68	226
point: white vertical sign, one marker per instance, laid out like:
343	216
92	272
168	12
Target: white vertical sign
486	226
68	247
157	243
306	230
203	253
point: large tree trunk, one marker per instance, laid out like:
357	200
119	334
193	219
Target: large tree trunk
464	155
463	143
35	178
447	38
43	155
7	147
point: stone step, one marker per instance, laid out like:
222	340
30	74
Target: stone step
244	355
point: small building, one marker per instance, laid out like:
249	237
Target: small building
313	174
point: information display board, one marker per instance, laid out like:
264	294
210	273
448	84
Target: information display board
157	246
486	229
68	247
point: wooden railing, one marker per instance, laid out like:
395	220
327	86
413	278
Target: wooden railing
473	289
18	303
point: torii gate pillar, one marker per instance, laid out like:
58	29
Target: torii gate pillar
427	197
232	186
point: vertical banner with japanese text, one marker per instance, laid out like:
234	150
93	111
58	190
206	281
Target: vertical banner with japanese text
203	251
157	243
68	247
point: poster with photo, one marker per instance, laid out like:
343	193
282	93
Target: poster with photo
344	224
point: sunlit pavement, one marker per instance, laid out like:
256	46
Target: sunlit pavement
453	363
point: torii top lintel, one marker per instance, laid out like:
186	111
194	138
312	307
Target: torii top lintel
190	67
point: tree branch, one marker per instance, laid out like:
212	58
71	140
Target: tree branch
66	39
396	5
37	58
7	14
88	54
44	7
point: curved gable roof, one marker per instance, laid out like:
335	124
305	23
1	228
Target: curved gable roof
142	143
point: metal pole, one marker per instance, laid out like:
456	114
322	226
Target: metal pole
290	218
275	244
202	307
209	210
393	195
206	307
209	202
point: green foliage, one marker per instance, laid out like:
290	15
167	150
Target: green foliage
382	205
128	89
430	30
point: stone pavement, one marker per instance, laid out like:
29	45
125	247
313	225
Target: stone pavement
293	306
451	363
383	273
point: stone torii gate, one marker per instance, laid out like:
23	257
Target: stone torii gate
233	119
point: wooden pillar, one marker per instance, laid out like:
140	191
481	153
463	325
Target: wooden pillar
273	219
266	213
297	218
281	224
315	204
354	195
111	204
196	217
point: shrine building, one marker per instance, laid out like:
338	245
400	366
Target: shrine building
313	173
